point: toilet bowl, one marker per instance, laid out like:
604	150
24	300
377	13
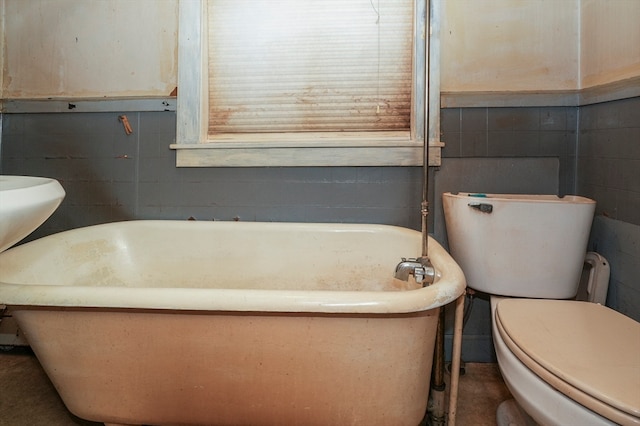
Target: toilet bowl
568	362
564	361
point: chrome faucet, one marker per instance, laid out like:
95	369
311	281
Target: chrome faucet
421	269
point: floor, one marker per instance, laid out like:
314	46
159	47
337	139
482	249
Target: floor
28	398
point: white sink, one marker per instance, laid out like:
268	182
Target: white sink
25	203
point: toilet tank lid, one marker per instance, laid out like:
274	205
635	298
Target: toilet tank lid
589	346
534	198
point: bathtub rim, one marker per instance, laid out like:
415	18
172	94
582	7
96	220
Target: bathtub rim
450	285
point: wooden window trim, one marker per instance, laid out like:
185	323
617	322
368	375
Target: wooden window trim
304	149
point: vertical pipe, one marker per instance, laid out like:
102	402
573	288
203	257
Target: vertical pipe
455	360
424	209
438	375
425	212
437	409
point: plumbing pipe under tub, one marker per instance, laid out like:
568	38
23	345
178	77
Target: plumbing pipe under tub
455	359
437	403
437	407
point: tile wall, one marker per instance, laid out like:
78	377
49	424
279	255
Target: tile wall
514	132
110	176
609	158
609	172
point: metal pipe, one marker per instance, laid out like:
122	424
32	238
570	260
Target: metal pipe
437	412
437	408
455	360
438	376
424	208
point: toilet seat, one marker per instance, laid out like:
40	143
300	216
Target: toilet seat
562	341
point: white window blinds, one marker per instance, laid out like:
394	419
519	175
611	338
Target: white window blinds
285	66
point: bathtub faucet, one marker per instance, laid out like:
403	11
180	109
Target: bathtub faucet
421	269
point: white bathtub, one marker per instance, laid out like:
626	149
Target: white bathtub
231	323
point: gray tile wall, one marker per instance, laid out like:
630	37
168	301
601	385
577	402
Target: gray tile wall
514	132
111	176
609	158
597	148
619	243
609	172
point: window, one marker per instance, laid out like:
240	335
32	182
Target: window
301	82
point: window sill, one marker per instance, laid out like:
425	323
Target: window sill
310	150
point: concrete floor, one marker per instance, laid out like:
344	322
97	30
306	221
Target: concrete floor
28	398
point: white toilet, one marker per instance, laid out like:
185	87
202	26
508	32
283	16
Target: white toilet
566	362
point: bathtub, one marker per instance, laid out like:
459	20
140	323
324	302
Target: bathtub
231	323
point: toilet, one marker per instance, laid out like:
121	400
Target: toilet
565	361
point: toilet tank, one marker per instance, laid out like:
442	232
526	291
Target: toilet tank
519	245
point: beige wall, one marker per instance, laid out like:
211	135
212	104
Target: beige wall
538	45
509	45
119	48
80	48
610	41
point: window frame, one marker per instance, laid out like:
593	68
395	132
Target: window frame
391	148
